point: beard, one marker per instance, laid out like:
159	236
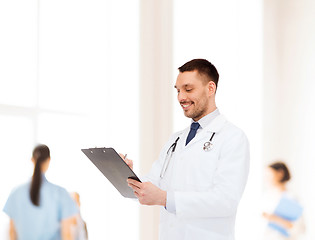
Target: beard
196	114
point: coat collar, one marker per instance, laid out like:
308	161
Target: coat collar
215	126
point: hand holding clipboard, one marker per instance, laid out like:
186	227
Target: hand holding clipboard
114	168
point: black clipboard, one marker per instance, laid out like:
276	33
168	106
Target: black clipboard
113	167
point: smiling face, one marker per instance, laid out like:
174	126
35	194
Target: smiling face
196	95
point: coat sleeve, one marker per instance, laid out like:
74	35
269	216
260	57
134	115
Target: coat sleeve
222	198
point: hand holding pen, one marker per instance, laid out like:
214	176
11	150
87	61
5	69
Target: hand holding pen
129	162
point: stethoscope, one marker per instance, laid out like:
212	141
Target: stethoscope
207	146
168	157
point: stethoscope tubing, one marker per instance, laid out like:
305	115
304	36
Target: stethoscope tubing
206	147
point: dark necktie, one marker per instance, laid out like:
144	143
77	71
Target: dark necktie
193	130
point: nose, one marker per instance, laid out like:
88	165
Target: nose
181	96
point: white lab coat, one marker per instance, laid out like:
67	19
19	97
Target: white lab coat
207	186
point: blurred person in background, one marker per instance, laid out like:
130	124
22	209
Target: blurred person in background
282	211
40	210
78	228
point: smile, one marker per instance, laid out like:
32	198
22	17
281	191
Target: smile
186	106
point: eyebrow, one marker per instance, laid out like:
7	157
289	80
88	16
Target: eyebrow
185	85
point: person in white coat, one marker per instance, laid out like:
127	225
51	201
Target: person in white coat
202	170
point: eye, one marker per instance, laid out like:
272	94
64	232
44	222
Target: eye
189	90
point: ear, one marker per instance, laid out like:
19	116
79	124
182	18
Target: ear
212	88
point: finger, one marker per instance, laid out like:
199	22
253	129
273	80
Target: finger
128	162
134	182
136	191
134	187
136	194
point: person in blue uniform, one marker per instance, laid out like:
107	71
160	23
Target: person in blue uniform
40	210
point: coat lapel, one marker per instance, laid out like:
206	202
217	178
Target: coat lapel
215	126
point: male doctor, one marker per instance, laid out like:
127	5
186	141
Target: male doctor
202	170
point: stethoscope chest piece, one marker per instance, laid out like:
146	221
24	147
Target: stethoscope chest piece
207	146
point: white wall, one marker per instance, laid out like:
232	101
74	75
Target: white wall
289	103
156	55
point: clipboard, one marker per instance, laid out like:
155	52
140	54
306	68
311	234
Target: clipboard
288	209
113	167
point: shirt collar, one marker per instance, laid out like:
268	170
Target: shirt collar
44	179
206	120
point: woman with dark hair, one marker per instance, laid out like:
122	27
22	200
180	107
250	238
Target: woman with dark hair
282	210
40	210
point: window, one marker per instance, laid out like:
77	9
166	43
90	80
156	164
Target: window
70	80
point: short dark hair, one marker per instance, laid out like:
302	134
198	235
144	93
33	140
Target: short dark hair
281	167
204	67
